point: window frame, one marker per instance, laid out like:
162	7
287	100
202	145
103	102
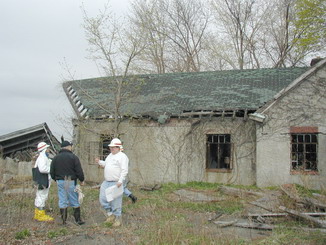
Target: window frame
304	144
226	153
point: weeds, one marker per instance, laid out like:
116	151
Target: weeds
57	233
156	218
20	235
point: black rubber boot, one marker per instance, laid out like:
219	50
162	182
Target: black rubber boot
133	198
77	216
64	213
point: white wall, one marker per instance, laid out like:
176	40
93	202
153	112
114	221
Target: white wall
173	152
305	105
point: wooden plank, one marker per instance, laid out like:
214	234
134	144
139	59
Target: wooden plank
314	202
282	214
258	226
313	220
225	223
271	227
290	191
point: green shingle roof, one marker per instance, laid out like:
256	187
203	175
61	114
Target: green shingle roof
176	93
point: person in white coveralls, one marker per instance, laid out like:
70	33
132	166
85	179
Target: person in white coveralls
115	172
43	162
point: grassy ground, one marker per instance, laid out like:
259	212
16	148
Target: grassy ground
158	217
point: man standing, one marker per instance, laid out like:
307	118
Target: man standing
115	172
66	170
42	164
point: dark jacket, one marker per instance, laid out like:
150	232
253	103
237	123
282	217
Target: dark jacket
66	165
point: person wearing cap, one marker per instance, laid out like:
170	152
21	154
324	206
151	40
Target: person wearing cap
43	163
115	172
66	170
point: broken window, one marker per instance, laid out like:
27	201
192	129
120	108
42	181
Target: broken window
104	145
98	148
304	151
218	151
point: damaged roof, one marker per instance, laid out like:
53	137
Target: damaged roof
177	94
22	143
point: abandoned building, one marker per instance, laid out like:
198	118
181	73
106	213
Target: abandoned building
21	144
259	126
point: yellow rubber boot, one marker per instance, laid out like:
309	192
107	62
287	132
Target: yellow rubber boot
43	217
36	213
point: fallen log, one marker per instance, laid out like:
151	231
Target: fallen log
317	222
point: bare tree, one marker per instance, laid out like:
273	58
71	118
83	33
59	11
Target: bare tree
281	37
113	48
149	21
239	23
175	31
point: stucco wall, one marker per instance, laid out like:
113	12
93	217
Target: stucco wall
305	105
172	152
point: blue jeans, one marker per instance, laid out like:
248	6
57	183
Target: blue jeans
114	206
67	195
125	189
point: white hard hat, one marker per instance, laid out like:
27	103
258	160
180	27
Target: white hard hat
42	146
115	142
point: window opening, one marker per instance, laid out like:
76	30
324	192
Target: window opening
304	152
218	151
104	145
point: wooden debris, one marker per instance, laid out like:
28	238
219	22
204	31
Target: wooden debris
260	226
261	206
252	225
151	188
290	191
225	223
313	202
317	222
217	215
319	196
282	214
271	227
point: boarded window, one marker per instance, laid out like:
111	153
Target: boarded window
304	151
218	151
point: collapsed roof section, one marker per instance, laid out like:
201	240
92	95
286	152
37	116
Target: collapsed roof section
22	144
232	93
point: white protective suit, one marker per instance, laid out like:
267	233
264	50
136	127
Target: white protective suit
43	163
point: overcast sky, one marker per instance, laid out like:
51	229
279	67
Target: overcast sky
35	37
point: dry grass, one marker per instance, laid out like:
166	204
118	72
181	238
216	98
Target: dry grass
158	217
